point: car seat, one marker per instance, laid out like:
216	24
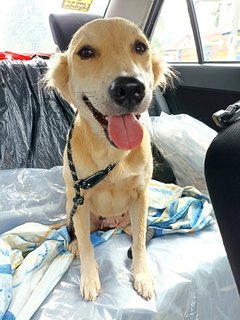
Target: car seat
64	25
223	182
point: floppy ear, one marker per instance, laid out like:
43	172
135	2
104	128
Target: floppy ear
57	75
161	72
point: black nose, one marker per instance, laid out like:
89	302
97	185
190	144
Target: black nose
127	91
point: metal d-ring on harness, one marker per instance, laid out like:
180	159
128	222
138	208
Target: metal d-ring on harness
86	183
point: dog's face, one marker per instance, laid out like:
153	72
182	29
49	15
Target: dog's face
109	68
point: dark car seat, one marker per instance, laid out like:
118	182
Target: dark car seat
64	25
222	170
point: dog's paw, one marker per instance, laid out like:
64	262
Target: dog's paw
73	248
90	286
143	285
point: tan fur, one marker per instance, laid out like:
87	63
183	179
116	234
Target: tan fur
124	190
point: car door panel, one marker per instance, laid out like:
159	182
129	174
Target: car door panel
203	90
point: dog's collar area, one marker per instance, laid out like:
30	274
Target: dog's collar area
84	184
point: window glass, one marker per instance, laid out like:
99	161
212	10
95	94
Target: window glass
24	23
219	26
173	33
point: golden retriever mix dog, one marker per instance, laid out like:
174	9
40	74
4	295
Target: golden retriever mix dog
108	74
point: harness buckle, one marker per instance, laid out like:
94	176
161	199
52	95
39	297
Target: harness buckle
81	184
94	179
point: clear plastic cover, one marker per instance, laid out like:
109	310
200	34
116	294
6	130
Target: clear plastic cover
183	142
191	273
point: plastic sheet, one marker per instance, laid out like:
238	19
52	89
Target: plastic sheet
33	121
191	272
183	142
31	196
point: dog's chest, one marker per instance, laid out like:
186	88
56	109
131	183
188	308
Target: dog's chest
111	199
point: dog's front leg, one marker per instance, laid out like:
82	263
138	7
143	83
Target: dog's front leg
142	279
89	283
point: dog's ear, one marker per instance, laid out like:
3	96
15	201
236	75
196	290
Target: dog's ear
57	75
162	74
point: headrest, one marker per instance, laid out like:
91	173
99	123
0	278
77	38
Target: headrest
64	25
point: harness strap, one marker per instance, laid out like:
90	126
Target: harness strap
86	183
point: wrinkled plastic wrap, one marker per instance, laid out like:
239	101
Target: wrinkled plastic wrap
33	121
191	272
183	141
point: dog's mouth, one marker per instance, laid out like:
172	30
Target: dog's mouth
124	131
97	114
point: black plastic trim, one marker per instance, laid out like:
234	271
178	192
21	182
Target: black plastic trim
106	8
152	18
211	76
195	29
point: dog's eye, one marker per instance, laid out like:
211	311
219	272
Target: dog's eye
140	47
86	53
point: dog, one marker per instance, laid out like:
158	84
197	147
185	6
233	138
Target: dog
108	73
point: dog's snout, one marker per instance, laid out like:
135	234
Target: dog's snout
127	91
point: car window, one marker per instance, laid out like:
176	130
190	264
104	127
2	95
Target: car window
173	33
219	26
24	23
218	22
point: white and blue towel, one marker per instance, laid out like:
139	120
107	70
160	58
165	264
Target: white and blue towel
173	209
34	257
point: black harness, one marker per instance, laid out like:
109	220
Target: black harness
84	184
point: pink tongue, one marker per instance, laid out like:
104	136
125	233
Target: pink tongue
126	132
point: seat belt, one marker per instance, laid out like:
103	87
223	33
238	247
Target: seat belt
223	118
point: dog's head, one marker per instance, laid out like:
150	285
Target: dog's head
109	72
